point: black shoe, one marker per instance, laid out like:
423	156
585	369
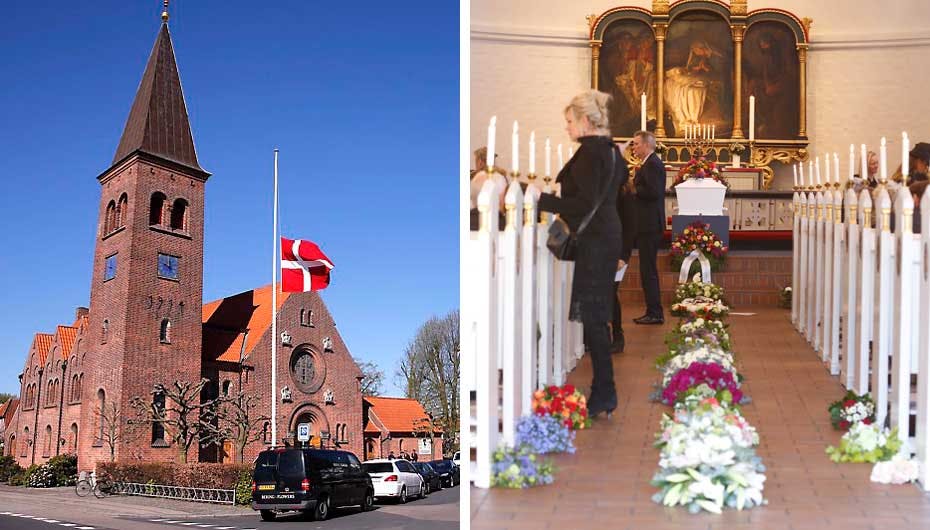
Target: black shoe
648	319
598	407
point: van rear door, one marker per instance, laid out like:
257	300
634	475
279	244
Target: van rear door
277	475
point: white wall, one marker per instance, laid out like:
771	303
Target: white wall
866	70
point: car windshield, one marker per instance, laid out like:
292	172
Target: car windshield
378	467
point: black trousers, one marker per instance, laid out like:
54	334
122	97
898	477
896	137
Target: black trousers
648	244
617	317
597	340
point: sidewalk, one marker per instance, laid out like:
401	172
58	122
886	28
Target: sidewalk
606	483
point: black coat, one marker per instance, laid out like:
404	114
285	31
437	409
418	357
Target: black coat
585	179
626	209
650	196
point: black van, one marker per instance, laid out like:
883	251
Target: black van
309	480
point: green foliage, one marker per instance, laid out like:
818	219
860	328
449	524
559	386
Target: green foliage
199	475
22	477
866	443
244	487
63	469
8	467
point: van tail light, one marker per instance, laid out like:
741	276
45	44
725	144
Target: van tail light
305	485
254	487
390	478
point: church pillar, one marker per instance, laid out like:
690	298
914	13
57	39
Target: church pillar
661	30
595	64
802	60
738	32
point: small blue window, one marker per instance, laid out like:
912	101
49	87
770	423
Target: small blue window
109	271
168	266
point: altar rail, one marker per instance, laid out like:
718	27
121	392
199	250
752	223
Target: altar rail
861	297
516	336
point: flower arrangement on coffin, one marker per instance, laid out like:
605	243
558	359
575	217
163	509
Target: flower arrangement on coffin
712	374
519	468
699	330
784	298
698	236
866	443
700	168
696	288
700	307
898	470
544	434
708	460
565	403
698	355
852	409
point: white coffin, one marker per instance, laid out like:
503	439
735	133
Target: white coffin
700	197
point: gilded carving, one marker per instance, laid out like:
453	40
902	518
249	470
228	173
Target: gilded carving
738	7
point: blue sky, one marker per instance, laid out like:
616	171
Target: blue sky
362	99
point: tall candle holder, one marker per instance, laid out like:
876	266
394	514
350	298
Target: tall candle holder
699	146
514	176
531	177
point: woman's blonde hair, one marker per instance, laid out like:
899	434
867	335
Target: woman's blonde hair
592	104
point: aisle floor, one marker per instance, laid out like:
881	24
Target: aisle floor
606	483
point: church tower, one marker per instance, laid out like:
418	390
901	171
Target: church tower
147	286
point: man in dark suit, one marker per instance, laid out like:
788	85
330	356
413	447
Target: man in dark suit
650	221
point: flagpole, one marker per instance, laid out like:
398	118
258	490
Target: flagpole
274	308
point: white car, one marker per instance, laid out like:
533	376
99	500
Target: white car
396	479
457	459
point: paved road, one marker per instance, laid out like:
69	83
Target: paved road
59	508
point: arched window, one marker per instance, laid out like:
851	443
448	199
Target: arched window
50	393
72	447
74	389
121	212
101	412
104	331
179	215
303	317
157	208
48	441
158	428
109	221
266	435
25	442
226	387
164	335
11	447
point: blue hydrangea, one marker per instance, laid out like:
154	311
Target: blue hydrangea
544	434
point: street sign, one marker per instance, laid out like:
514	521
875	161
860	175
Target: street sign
303	432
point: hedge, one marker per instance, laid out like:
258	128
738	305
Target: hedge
199	475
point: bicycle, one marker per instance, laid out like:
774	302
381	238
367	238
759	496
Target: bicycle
100	487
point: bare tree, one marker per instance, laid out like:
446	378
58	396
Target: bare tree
113	427
429	371
241	421
183	413
372	378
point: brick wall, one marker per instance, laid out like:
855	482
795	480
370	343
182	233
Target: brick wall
528	58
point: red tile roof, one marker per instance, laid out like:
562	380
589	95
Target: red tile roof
43	342
226	320
397	414
3	408
66	336
12	405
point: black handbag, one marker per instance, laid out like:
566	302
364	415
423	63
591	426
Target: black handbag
562	242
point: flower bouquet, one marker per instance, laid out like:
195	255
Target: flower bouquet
852	409
564	403
519	468
708	459
544	434
898	470
866	443
697	288
702	355
784	298
698	236
712	374
700	307
712	331
700	168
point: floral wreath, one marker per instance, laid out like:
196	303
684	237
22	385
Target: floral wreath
698	236
700	168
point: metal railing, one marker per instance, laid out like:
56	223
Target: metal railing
217	496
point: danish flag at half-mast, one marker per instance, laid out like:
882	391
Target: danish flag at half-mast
304	267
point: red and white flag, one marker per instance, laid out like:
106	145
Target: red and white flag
304	267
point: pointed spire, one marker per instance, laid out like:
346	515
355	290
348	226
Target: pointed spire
158	124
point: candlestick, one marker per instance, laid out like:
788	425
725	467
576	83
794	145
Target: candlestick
532	152
548	158
752	118
836	169
826	169
642	106
863	162
795	168
492	131
713	131
515	144
817	168
801	169
561	163
852	161
905	157
810	172
883	161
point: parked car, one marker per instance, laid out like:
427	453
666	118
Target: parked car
396	479
457	459
432	479
312	481
448	471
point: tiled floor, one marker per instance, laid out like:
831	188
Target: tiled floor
606	483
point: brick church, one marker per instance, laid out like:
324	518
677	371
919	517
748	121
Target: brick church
147	321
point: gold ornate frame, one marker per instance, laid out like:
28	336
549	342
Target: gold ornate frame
762	152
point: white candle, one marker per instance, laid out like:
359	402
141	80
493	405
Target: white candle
817	169
642	106
703	131
801	169
687	132
905	158
548	158
810	172
826	169
559	150
713	132
883	160
836	167
492	130
571	153
852	161
795	168
515	142
532	152
752	118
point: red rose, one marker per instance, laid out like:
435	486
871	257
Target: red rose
568	423
867	421
553	390
849	402
583	412
568	389
557	404
844	424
